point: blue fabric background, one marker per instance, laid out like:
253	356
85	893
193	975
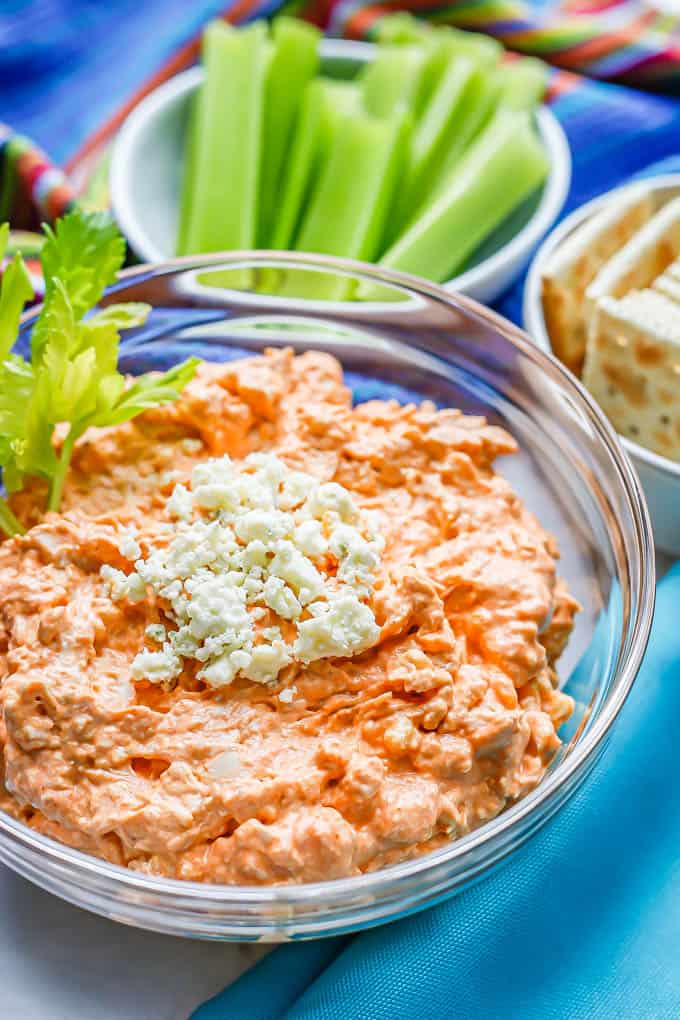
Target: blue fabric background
66	65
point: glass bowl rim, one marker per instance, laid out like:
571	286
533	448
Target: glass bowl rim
333	892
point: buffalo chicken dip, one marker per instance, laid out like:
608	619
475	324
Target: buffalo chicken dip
274	638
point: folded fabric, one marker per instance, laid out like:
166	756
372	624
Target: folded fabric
584	920
627	41
32	189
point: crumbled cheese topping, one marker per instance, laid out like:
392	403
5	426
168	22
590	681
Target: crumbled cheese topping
248	540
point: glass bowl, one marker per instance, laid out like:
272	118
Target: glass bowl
571	471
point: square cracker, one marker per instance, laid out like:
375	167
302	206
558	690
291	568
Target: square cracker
647	255
576	264
632	368
668	283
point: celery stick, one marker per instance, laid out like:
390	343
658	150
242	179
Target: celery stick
481	48
432	133
451	84
293	64
188	181
348	212
404	74
400	28
396	76
228	138
481	104
403	29
300	165
342	98
322	102
500	169
523	82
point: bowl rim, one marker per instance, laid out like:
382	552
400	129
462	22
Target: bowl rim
333	893
532	308
518	248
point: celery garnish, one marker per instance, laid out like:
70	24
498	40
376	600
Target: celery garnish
9	524
72	378
504	165
228	138
293	64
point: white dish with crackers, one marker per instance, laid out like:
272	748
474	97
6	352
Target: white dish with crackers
603	295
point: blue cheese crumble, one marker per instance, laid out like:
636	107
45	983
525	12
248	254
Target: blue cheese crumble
247	540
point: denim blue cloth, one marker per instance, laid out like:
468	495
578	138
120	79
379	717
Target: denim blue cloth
582	923
67	65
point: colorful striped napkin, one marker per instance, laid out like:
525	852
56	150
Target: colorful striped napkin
619	40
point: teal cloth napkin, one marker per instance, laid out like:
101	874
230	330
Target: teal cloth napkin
583	922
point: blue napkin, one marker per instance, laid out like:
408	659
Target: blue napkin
583	922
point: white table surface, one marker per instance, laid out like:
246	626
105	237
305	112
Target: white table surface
58	962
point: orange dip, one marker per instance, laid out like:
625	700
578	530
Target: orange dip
449	718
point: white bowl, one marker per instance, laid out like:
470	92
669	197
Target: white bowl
148	153
660	476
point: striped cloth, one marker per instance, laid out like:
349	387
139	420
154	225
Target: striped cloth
620	40
30	184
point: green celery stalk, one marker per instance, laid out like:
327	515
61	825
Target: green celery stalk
499	170
349	209
393	78
481	104
342	99
399	29
403	29
433	133
223	210
293	64
523	82
300	165
323	102
481	48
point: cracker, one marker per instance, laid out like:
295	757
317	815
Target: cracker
632	368
578	261
668	283
647	255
